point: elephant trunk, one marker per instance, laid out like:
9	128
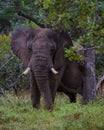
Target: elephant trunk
41	70
44	88
41	65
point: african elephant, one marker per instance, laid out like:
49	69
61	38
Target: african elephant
42	52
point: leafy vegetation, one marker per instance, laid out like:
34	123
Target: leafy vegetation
4	47
83	19
72	54
10	67
17	113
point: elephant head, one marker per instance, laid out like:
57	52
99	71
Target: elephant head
41	51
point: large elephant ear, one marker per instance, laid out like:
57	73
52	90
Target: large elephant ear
63	42
20	37
59	58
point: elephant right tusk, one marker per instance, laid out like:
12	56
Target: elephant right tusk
54	71
26	71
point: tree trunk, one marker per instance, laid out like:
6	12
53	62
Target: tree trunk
89	89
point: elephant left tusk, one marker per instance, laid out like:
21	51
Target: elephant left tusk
54	71
26	71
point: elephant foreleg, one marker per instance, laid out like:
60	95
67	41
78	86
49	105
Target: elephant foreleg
34	91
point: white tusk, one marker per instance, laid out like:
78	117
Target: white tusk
54	71
26	71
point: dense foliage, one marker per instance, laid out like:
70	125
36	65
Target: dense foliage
84	19
10	67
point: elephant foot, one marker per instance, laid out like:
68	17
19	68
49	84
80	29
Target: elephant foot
49	107
35	103
73	100
72	97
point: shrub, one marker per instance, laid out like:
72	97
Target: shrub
10	67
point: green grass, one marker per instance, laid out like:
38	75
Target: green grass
18	114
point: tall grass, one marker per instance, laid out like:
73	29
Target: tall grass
16	113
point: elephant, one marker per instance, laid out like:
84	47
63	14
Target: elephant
42	52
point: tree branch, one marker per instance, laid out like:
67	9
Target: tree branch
20	13
100	81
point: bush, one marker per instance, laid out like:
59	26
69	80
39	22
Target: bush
10	67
